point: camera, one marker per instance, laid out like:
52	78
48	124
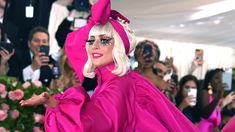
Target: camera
174	78
147	50
44	49
193	93
7	46
199	56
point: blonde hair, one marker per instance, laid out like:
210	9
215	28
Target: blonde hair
121	60
68	76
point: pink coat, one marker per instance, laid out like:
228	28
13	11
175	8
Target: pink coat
119	104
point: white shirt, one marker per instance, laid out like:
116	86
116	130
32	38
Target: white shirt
29	74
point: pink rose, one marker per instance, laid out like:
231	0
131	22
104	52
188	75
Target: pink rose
38	118
5	107
37	83
2	129
15	114
2	88
3	115
3	94
37	129
26	85
16	94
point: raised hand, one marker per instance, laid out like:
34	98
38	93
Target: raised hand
36	100
39	60
228	99
5	55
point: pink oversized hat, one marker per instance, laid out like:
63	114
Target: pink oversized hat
76	41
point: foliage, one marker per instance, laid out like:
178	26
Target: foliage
13	117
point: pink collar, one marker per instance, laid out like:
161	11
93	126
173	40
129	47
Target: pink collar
105	73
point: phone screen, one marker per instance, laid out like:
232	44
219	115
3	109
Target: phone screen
193	93
227	79
147	50
199	56
44	49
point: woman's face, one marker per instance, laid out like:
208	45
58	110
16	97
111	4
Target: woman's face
100	49
216	79
187	85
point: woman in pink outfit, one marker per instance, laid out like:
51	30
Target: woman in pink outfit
123	101
210	100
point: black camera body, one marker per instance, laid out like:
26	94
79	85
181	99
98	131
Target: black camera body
147	50
7	46
44	49
174	78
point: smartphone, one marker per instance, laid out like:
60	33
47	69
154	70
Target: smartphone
79	22
199	56
56	72
227	79
44	49
174	78
7	46
193	93
147	50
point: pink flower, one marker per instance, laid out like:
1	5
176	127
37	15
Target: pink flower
3	94
15	114
26	85
37	129
14	84
2	129
37	83
3	115
16	94
39	118
2	88
5	107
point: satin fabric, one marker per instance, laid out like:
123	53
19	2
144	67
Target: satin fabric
207	125
119	104
230	126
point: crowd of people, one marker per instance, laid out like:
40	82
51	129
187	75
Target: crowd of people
95	60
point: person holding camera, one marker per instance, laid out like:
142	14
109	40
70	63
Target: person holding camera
40	64
186	98
145	54
161	70
5	52
198	67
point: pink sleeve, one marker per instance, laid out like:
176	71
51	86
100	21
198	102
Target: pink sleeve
76	112
230	126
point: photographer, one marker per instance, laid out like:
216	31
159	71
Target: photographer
39	62
146	53
5	55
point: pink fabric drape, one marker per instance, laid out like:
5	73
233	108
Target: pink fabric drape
119	104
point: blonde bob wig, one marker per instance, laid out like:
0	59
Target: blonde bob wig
121	60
